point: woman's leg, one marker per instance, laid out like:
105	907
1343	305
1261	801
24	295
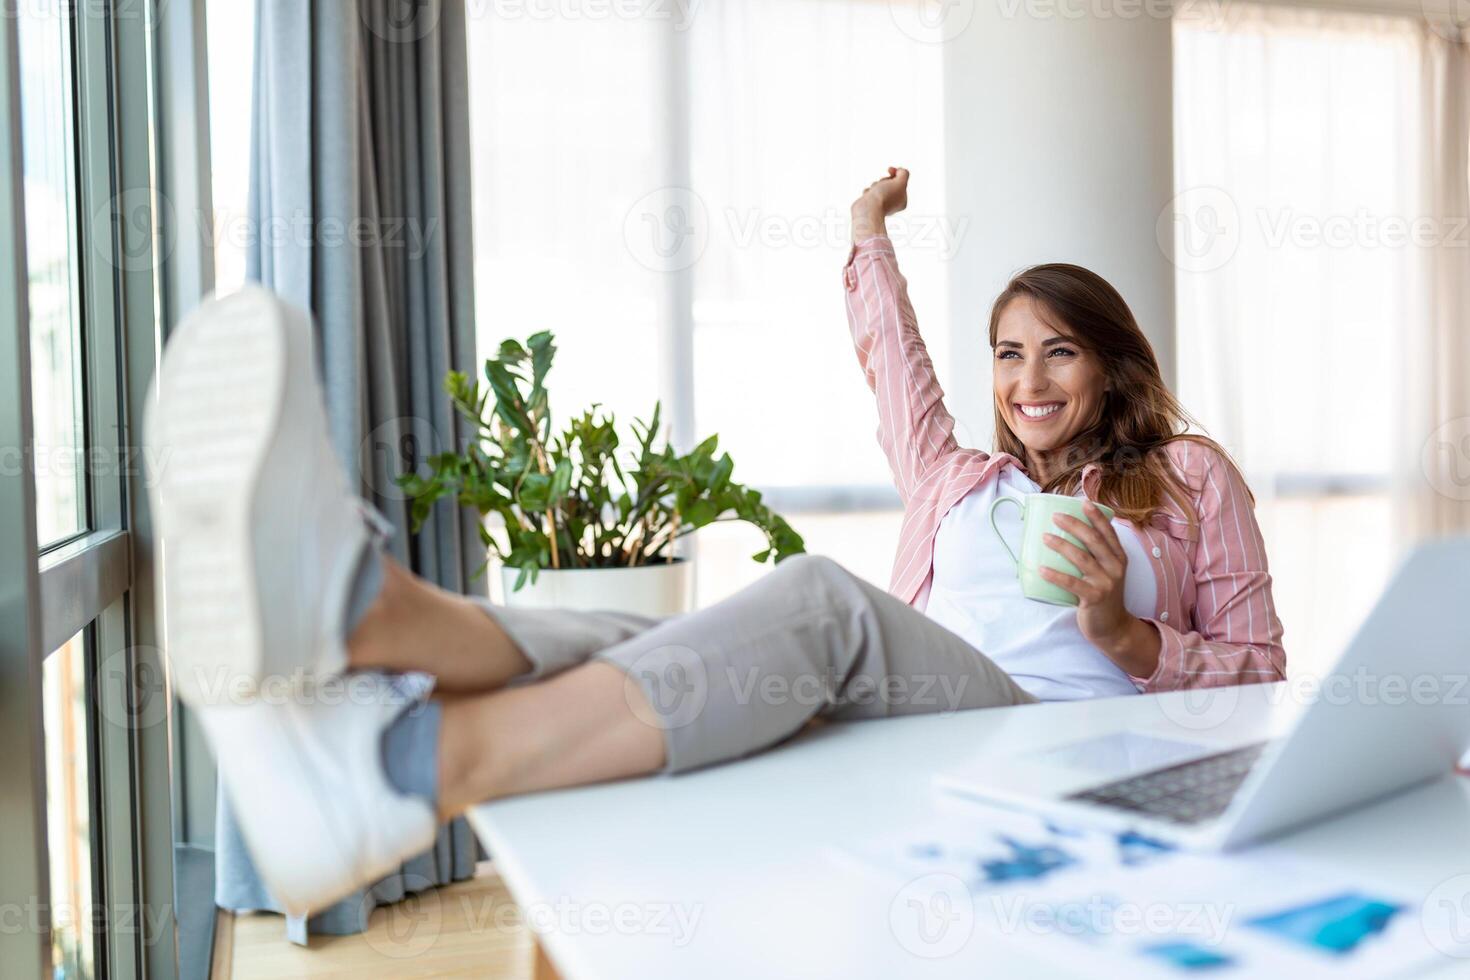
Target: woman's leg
415	625
573	729
808	640
468	644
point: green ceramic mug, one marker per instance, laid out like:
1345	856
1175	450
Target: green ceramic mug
1037	510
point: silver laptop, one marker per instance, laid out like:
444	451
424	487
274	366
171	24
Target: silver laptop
1393	713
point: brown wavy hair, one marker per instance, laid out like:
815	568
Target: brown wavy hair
1139	415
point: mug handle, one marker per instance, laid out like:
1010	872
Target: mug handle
1004	543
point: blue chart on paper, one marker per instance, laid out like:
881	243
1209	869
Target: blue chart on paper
1334	925
1026	862
1189	957
1134	848
1004	858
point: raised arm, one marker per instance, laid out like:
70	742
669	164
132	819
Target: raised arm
914	428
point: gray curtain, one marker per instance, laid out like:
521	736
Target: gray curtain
360	201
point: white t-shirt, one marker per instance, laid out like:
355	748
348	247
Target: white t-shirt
975	594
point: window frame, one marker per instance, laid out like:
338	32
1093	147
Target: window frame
24	869
99	581
186	277
136	759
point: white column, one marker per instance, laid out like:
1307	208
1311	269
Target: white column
1059	149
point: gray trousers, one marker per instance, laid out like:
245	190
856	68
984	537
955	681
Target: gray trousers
807	640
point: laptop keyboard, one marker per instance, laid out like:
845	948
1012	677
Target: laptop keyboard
1188	793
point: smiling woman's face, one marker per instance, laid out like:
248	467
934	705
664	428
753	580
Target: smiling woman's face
1046	387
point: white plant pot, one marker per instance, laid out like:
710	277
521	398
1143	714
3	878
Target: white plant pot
659	589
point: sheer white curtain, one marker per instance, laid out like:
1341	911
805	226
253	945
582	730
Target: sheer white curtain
566	137
796	105
790	120
1432	485
766	117
1322	289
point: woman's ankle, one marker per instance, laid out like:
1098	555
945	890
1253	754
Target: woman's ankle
369	635
415	625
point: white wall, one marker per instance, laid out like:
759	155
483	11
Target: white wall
1059	149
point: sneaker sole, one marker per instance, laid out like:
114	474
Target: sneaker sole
221	398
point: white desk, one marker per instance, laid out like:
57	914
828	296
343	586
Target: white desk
744	846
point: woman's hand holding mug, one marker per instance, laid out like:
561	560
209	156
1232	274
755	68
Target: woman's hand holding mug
1101	616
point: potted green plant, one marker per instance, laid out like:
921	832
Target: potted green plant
580	526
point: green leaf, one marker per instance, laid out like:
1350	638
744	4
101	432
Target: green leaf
542	353
535	492
511	351
707	447
724	467
509	401
700	512
561	480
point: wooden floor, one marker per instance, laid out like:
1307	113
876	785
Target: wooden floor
470	929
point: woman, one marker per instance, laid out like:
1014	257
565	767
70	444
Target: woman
272	572
1080	408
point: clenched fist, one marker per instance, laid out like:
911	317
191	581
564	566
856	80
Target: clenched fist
878	200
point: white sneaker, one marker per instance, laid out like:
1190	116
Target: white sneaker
261	535
305	779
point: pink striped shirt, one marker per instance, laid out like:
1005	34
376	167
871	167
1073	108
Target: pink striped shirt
1214	613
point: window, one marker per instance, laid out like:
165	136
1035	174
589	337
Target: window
57	412
76	235
671	199
47	135
231	45
69	811
1295	161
